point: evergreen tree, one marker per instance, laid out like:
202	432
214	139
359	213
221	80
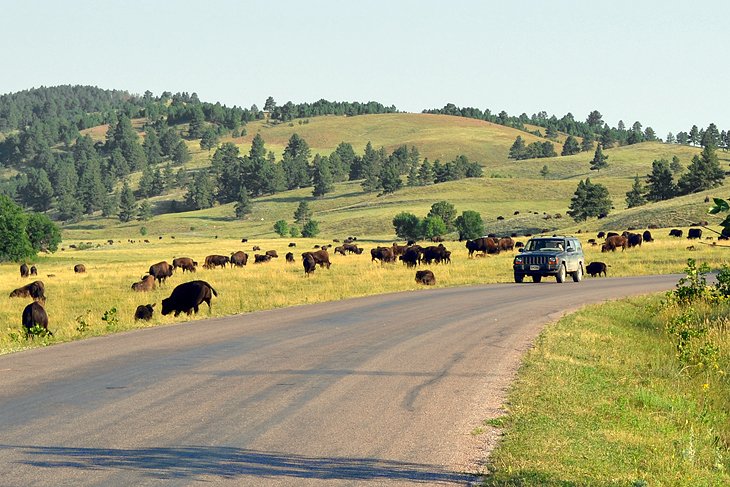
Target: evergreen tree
347	157
599	160
281	227
635	196
469	225
169	140
425	173
544	172
703	173
649	134
269	104
570	146
589	200
197	122
413	175
682	138
200	193
390	180
296	163
670	138
127	203
517	151
660	183
110	206
371	164
243	206
118	164
586	144
694	135
146	183
144	213
322	177
711	136
151	146
69	207
91	190
38	191
310	229
209	139
675	165
303	213
181	154
445	211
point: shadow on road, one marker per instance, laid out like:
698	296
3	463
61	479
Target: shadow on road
194	461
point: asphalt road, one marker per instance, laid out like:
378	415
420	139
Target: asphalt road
383	390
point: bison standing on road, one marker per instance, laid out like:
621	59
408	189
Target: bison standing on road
187	297
425	277
35	290
35	315
161	271
146	284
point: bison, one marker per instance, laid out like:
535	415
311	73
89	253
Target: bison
399	250
79	268
272	254
675	232
412	256
144	312
506	243
694	233
340	250
187	297
383	254
613	242
261	258
352	248
184	263
596	268
600	234
239	259
24	270
309	264
289	257
35	290
33	270
292	244
146	284
486	245
634	240
321	257
425	277
161	271
434	253
647	236
35	315
215	260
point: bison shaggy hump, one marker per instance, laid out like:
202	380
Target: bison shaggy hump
187	297
35	315
215	260
35	290
185	263
425	277
144	312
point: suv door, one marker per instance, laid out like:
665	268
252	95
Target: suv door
572	260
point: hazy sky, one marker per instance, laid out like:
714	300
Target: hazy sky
662	63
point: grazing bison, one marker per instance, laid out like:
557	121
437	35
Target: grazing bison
434	253
486	245
289	257
255	248
634	240
601	235
383	254
675	232
239	259
412	256
340	250
33	270
146	284
352	248
272	254
35	315
425	277
187	297
144	312
261	258
292	244
24	271
215	260
309	264
184	263
161	271
321	257
399	250
35	290
694	233
596	268
611	234
79	268
506	243
647	236
613	242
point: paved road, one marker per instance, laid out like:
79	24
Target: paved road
384	390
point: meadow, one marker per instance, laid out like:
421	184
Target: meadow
77	302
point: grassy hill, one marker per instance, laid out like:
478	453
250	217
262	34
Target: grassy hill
509	186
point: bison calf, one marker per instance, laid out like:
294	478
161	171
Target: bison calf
425	277
187	297
596	268
144	312
146	284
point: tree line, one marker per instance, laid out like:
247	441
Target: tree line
440	220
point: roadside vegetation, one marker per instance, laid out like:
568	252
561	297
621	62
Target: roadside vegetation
633	392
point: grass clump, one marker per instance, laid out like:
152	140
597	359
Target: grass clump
633	392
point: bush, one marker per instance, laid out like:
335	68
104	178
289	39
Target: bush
281	227
311	229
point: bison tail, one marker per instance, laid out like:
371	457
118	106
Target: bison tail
213	291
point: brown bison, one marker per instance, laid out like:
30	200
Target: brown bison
187	297
694	233
434	253
412	256
146	284
35	315
255	248
239	259
340	250
272	254
35	290
321	257
352	248
144	312
33	270
79	268
24	271
309	264
425	277
486	245
383	254
647	236
506	243
634	240
184	263
675	232
292	244
215	260
613	242
596	268
161	271
399	250
289	257
261	258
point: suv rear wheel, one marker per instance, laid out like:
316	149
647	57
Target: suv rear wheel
560	276
578	275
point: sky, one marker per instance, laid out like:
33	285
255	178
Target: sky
661	63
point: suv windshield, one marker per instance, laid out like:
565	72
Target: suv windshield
545	244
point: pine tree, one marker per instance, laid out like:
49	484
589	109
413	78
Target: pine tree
322	177
281	227
110	205
303	213
694	135
587	144
209	139
517	151
200	192
181	154
91	190
146	183
544	172
310	229
144	213
635	196
390	180
425	173
703	173
599	160
151	146
243	205
127	203
660	183
570	146
675	165
589	200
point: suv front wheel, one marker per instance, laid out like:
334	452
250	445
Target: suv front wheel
560	276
